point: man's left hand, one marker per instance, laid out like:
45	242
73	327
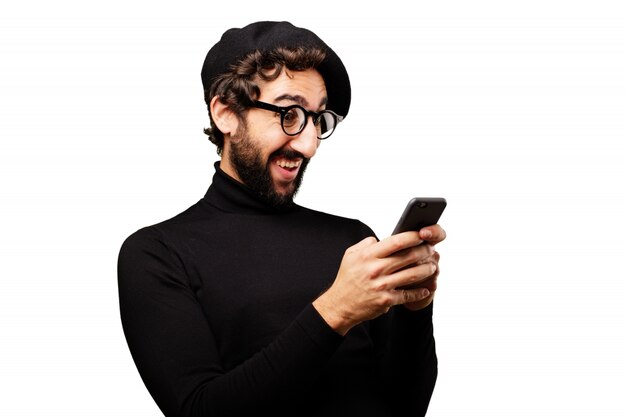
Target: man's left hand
431	235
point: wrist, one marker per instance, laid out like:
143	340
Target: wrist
332	315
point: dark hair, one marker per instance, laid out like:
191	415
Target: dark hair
237	88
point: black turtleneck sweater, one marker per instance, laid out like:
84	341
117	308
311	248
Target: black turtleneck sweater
216	305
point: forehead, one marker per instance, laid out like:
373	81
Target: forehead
306	88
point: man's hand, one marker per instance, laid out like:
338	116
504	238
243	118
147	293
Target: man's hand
431	236
374	276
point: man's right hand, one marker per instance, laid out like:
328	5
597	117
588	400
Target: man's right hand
370	278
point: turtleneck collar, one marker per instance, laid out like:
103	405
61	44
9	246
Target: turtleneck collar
229	195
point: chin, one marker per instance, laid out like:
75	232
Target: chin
284	192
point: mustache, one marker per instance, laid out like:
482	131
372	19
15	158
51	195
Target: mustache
288	154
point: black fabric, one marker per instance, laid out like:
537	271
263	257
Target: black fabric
216	308
236	43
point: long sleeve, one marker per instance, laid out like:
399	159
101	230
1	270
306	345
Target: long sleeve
176	351
408	358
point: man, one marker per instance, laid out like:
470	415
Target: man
248	304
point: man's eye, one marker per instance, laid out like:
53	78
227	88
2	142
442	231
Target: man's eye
291	118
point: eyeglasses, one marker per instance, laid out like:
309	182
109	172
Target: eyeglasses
294	118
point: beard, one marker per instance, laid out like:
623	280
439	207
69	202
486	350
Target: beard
246	158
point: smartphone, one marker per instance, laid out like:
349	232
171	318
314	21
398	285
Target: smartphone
420	212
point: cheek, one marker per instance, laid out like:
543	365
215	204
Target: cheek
270	141
267	144
268	134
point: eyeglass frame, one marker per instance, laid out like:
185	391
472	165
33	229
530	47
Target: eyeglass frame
284	110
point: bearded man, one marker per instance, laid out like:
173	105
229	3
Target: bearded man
249	304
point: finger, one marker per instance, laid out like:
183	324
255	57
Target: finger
368	241
432	234
434	257
404	296
409	276
430	284
416	255
396	243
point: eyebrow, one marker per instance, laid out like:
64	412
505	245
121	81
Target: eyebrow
300	100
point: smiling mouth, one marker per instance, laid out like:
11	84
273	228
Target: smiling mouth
288	164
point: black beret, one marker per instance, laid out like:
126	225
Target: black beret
236	43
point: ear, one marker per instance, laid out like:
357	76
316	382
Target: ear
223	117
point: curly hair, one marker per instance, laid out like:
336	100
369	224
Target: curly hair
237	88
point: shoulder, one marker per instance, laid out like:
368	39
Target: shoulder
144	249
167	230
337	223
150	256
160	237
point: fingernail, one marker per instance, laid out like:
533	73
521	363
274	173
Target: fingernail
426	234
425	293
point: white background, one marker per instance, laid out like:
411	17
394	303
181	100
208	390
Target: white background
513	111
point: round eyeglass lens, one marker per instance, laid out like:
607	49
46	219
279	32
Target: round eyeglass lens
325	124
293	121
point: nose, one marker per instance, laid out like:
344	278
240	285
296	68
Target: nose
306	142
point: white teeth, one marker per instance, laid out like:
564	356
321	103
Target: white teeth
283	163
